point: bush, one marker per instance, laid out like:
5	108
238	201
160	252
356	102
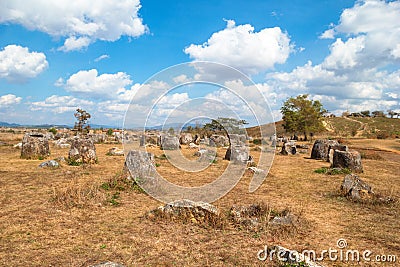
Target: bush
53	130
257	141
332	171
382	135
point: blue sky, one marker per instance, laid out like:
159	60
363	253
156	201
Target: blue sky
60	55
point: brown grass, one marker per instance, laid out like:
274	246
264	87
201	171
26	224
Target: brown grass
64	217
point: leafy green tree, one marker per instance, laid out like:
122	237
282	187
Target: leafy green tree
171	131
366	113
229	125
378	113
301	115
110	131
53	130
391	113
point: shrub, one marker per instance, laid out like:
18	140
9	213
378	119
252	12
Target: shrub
257	141
53	130
332	171
382	135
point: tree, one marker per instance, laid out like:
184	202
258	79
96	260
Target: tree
301	115
171	131
82	124
110	131
366	113
378	113
229	125
53	130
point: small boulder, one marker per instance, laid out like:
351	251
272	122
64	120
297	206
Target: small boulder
115	151
347	159
49	163
237	154
185	138
169	142
218	140
207	155
188	211
256	170
355	188
193	146
18	146
248	216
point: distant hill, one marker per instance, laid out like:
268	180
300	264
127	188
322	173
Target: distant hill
348	127
6	124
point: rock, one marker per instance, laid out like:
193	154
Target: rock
237	154
293	150
321	148
82	150
347	159
142	141
331	151
62	143
196	139
169	142
49	163
187	210
141	166
98	138
302	146
18	146
284	150
247	216
207	155
35	146
108	264
256	170
286	220
60	159
218	140
193	146
151	140
61	135
355	188
49	136
115	151
185	139
237	139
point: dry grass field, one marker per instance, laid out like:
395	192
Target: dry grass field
77	216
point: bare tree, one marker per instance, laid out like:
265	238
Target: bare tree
82	124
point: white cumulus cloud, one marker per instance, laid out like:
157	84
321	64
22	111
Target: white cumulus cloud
361	71
80	22
60	104
90	84
17	64
243	48
374	30
9	99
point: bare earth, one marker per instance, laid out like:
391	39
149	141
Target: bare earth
39	229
